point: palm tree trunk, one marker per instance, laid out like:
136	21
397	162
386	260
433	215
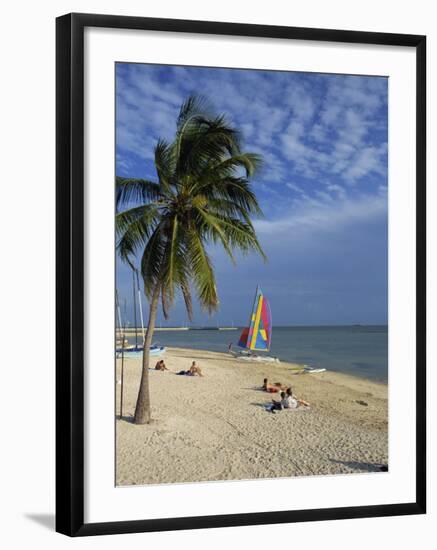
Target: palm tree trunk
142	409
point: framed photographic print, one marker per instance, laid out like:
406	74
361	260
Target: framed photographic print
240	274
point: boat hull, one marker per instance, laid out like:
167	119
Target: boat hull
254	358
154	351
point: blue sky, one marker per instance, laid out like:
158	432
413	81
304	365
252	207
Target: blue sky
323	187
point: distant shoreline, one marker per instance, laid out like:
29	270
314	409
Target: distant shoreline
131	329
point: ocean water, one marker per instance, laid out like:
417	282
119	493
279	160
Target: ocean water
358	350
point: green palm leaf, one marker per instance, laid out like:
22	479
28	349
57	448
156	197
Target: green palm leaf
202	273
131	191
164	163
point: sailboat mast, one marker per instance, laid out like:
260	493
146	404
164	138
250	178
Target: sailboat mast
118	313
122	354
135	308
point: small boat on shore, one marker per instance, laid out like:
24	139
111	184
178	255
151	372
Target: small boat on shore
155	350
255	358
306	369
258	335
313	371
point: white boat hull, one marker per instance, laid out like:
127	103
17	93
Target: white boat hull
155	351
255	358
314	371
306	370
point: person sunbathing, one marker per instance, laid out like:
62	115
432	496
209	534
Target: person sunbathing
272	388
160	365
192	371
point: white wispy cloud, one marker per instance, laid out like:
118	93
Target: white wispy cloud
366	160
325	212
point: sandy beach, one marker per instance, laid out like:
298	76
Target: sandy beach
217	428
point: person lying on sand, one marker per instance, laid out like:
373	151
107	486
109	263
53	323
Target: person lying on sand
160	365
300	402
277	405
193	370
272	388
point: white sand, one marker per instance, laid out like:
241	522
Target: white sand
216	427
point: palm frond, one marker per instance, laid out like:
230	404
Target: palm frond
240	234
165	164
212	227
147	213
186	293
250	162
202	273
194	106
193	112
165	302
237	190
170	259
133	191
133	228
224	207
207	144
152	259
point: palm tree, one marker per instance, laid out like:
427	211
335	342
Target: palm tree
202	196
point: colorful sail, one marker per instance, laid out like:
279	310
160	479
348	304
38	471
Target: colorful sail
258	335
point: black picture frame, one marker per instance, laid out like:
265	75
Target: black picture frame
70	273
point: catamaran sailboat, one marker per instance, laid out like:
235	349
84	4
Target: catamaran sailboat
258	335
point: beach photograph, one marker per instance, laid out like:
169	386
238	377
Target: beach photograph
251	295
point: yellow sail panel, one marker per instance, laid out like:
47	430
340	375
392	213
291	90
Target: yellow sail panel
256	324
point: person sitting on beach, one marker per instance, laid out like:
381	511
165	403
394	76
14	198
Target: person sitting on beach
293	402
160	365
192	371
288	401
272	388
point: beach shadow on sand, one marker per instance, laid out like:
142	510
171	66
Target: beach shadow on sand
262	405
46	520
366	466
130	420
125	418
